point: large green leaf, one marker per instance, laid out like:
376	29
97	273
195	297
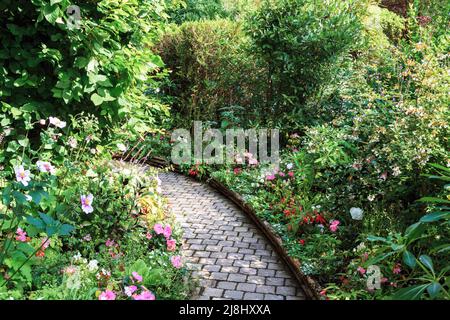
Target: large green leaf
409	259
410	293
427	261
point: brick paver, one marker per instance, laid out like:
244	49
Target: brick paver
222	247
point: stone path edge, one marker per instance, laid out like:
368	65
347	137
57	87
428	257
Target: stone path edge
309	285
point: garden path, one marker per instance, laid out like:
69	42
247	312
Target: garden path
223	249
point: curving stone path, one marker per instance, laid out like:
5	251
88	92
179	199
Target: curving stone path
229	256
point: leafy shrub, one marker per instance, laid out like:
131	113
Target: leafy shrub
207	60
300	43
103	66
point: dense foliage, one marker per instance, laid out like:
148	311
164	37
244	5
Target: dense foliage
52	65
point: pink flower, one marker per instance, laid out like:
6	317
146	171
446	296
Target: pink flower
87	238
148	235
171	244
22	175
176	262
109	243
136	276
130	290
361	270
270	177
252	162
21	235
44	166
291	174
281	174
323	293
86	203
334	225
107	295
70	270
384	176
167	231
397	269
145	295
384	280
158	228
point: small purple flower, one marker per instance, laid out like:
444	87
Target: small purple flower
86	203
22	175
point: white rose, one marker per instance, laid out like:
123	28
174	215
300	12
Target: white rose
356	213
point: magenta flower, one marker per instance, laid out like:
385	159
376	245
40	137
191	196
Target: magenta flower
158	228
45	166
22	175
167	231
145	295
334	225
21	235
86	203
109	243
136	276
397	269
361	270
130	290
107	295
270	177
171	245
176	262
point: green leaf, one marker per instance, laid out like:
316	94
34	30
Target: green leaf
434	200
38	223
65	230
435	216
410	293
409	259
374	238
96	99
426	260
47	219
434	289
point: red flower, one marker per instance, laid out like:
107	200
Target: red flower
302	242
237	170
320	219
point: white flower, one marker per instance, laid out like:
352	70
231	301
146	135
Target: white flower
121	147
28	197
371	197
396	171
356	213
45	166
77	257
56	122
289	166
93	265
72	142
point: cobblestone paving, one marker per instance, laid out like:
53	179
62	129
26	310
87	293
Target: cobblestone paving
223	249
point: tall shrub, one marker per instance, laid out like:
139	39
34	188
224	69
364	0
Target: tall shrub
301	41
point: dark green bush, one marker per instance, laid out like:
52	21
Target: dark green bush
103	67
301	42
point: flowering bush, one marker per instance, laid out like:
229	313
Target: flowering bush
108	208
